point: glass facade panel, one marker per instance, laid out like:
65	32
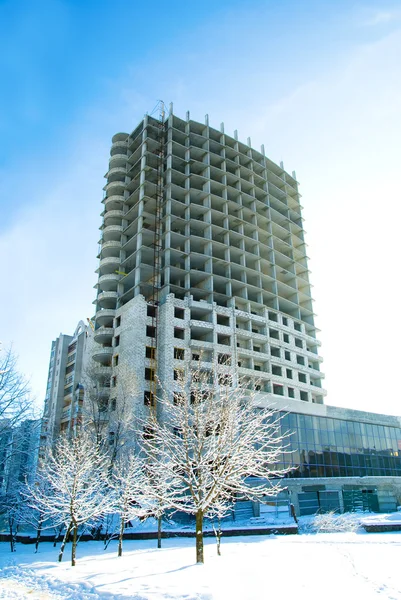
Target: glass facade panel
328	447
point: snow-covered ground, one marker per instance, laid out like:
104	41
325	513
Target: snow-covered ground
310	566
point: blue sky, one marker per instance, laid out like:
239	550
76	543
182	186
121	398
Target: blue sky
317	82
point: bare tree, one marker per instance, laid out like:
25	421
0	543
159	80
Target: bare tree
131	491
72	486
108	409
220	445
15	400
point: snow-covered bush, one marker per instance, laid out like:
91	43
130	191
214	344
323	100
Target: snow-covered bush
332	522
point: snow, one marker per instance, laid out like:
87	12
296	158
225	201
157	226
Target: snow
310	566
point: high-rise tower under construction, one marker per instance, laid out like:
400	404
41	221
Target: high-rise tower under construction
202	255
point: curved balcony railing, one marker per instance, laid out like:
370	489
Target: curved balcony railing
115	214
112	232
103	354
114	187
114	202
105	316
108	265
107	300
121	136
103	335
110	249
108	282
117	160
116	174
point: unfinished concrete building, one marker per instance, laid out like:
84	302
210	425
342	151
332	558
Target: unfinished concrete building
203	257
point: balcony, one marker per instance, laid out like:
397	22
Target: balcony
103	335
105	317
103	355
108	282
111	248
121	136
113	202
118	160
108	265
112	233
116	174
113	215
107	300
114	187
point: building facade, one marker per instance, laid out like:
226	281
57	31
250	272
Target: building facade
64	393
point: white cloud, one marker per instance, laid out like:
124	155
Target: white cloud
380	17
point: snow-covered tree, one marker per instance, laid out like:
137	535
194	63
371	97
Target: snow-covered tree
72	486
108	409
216	440
15	400
131	491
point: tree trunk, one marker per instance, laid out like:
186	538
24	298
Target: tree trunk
65	540
120	537
74	545
218	534
57	536
199	537
38	534
12	539
159	532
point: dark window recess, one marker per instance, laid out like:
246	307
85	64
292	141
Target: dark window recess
117	340
222	320
151	310
304	396
286	338
273	333
297	326
298	343
179	353
278	390
302	377
179	313
149	374
195	356
285	321
111	438
148	433
178	374
256	348
288	373
113	404
224	359
150	331
178	398
257	368
300	360
272	316
225	340
114	381
148	398
275	352
115	360
287	355
118	321
178	333
150	352
291	392
276	370
224	379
